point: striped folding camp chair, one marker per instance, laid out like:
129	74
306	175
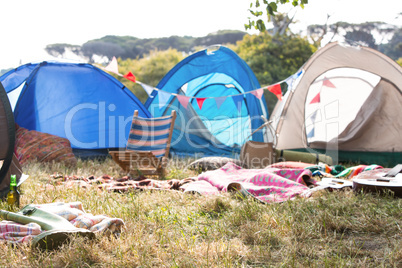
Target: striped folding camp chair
148	146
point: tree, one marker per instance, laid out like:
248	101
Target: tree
393	48
317	32
271	8
59	50
100	48
274	58
399	61
149	70
128	47
220	37
281	22
371	34
361	38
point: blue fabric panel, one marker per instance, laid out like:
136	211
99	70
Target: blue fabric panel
14	78
150	138
79	102
223	61
151	128
227	124
198	147
214	78
208	75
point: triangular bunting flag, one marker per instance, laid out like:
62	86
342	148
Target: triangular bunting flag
258	93
276	89
113	66
130	76
310	134
238	99
148	89
289	81
200	101
327	83
316	99
163	98
292	78
314	116
219	101
183	100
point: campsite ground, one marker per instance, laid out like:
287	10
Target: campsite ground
172	229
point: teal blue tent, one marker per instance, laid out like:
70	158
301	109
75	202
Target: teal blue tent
221	111
77	101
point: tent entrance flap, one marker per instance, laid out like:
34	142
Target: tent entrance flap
228	123
333	101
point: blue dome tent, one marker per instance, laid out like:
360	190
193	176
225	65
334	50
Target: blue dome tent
222	81
77	101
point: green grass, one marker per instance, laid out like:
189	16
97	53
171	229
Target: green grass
172	229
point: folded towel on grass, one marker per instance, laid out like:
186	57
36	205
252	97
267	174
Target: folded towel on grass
73	212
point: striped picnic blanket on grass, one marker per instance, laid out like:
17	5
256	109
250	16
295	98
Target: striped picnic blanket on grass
266	185
73	212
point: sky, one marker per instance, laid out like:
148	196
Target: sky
27	26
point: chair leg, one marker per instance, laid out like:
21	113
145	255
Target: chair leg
162	167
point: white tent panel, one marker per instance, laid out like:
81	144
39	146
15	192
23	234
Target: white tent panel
333	101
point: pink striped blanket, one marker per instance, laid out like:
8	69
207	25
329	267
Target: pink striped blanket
267	185
74	212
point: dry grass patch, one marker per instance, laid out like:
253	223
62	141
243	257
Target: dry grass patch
173	229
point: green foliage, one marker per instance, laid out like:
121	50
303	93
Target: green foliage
93	48
399	61
358	34
393	48
360	37
59	49
220	37
271	8
128	47
274	58
362	34
149	69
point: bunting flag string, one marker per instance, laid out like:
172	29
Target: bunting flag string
184	100
113	67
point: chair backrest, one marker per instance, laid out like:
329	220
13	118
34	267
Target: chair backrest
151	134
